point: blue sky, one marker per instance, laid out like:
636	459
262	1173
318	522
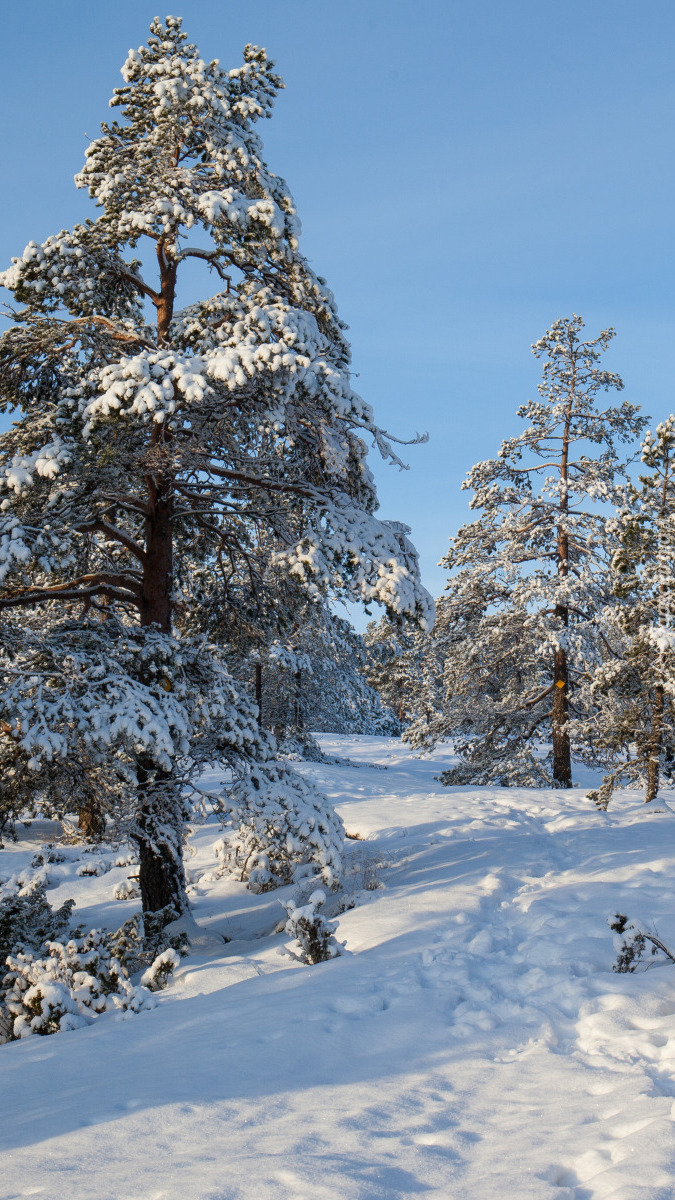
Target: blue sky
466	172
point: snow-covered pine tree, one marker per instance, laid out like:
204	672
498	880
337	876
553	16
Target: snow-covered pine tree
312	680
631	722
303	661
153	446
516	625
403	668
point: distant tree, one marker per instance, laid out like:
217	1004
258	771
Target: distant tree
516	626
402	667
151	457
631	721
313	681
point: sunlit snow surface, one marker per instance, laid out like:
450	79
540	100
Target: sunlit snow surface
471	1043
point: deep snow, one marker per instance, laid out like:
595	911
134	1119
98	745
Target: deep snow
472	1042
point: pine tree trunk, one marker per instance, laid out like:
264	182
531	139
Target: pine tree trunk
562	757
159	836
158	568
298	715
653	762
159	825
161	875
259	691
91	820
162	882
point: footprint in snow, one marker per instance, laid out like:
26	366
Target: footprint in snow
358	1007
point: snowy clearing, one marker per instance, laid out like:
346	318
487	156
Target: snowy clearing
472	1042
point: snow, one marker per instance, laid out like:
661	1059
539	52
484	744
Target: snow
470	1042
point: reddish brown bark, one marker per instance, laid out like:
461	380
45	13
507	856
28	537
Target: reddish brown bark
161	876
562	755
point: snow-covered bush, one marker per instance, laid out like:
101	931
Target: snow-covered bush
362	868
282	824
70	984
27	920
95	867
157	976
630	943
314	935
126	890
49	853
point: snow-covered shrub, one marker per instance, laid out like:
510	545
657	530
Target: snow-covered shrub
62	989
70	984
27	920
126	890
49	853
126	943
126	860
95	867
140	942
281	825
157	976
29	879
314	935
630	943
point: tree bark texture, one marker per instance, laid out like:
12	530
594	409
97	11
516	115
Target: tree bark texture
159	823
159	836
298	708
91	820
158	568
562	755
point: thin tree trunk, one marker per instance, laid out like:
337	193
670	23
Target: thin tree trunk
562	755
654	760
298	715
656	735
91	820
259	690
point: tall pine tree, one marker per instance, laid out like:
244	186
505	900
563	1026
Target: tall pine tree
157	447
630	720
516	625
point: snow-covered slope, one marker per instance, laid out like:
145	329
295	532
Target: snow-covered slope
471	1043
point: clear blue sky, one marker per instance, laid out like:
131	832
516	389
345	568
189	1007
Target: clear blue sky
466	172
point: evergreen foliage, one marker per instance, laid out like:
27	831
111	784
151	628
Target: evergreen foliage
402	666
27	920
516	628
313	680
313	934
70	984
282	827
152	459
630	721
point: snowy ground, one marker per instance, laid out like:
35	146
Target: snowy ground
471	1043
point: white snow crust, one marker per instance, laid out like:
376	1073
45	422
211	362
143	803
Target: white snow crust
471	1042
